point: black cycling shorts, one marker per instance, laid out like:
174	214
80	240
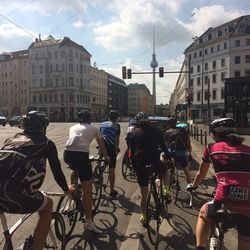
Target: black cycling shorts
111	151
79	161
143	172
16	199
242	223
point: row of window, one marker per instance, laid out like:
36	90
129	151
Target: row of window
237	59
213	95
206	79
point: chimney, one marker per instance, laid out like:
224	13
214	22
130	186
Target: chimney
36	40
40	38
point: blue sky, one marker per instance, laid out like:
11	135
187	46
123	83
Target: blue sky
119	32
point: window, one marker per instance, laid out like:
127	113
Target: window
70	67
247	42
200	53
247	72
41	69
56	54
218	47
195	55
191	69
198	96
237	59
198	81
222	75
50	68
225	45
247	58
191	82
237	73
198	68
212	49
205	95
33	69
206	66
214	64
223	62
222	94
214	94
34	98
214	78
205	51
206	79
237	43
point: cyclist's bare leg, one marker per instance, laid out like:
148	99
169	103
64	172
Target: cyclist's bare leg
87	199
72	177
188	174
112	178
243	242
144	194
43	226
166	179
202	228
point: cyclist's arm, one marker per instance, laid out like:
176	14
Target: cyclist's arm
55	166
117	139
101	144
202	172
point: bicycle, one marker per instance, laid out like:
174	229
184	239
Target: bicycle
156	206
71	208
56	236
127	165
174	186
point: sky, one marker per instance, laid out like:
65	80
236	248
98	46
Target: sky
119	32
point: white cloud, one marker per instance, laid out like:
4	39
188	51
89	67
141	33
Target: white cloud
78	24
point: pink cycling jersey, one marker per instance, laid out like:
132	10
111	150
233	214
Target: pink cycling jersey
232	170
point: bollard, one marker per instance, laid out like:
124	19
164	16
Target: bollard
197	134
205	138
201	137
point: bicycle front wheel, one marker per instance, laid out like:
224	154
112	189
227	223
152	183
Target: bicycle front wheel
153	216
56	236
96	187
67	208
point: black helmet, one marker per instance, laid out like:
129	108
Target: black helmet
222	125
141	117
35	121
84	116
113	115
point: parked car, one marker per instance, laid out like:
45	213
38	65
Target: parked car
15	121
159	121
3	120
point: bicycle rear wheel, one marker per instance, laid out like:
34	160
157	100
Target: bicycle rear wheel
67	208
56	235
174	183
96	187
153	216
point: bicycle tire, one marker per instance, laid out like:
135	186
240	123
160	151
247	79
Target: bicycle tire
56	236
96	187
125	164
67	208
153	216
174	183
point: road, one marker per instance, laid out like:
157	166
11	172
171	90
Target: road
118	218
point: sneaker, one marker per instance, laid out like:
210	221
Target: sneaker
143	220
90	226
189	186
213	242
113	193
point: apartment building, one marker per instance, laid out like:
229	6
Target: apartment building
99	88
139	99
59	78
117	95
221	52
14	82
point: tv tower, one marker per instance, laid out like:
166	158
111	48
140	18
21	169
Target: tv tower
154	65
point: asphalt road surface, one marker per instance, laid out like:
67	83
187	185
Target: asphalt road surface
118	218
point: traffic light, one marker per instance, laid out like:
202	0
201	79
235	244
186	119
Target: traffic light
124	72
161	72
129	73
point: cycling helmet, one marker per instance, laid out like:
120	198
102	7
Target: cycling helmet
141	117
181	125
113	115
84	116
35	121
222	125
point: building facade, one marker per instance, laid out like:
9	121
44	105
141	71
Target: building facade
117	95
99	88
139	99
220	53
14	72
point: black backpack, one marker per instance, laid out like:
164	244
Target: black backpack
179	139
18	155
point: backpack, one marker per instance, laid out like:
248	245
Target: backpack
179	139
18	155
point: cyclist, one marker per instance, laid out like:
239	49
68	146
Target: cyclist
178	140
231	161
145	143
76	155
110	131
21	195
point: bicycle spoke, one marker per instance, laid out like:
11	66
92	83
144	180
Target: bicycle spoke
96	188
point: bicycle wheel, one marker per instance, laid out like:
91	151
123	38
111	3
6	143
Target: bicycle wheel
96	187
174	183
125	162
153	216
56	235
67	208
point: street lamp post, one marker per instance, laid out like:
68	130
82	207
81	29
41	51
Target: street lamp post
66	88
